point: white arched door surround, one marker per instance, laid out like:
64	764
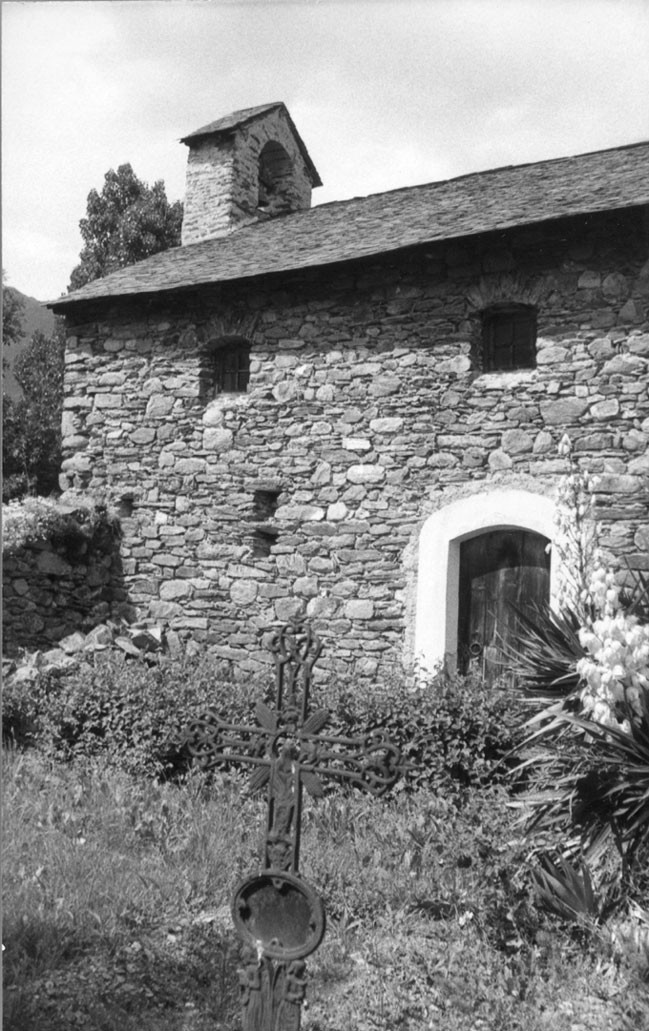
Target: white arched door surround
438	567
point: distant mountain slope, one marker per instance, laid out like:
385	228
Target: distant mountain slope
36	317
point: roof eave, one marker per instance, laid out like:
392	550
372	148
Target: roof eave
58	306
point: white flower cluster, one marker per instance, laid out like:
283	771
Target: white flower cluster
616	668
576	535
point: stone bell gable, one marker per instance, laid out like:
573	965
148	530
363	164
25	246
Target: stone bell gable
248	166
356	412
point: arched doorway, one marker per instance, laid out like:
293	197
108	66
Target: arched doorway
503	573
439	566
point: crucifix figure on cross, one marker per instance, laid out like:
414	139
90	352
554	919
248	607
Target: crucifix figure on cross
276	911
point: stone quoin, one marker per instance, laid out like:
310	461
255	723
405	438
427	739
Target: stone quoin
291	400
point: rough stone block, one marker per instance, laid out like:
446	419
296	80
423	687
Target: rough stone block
217	439
563	410
606	409
300	513
323	608
499	460
624	365
73	643
550	355
384	386
243	592
52	565
213	414
542	442
516	442
639	465
290	565
171	590
159	406
189	466
143	435
366	474
356	444
287	609
601	348
359	608
337	511
639	344
306	586
109	400
615	483
285	391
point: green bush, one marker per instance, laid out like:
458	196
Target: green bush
454	732
129	712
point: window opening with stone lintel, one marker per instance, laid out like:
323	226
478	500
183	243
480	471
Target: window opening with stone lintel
508	340
225	368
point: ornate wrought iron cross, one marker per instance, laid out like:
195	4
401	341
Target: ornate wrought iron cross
277	912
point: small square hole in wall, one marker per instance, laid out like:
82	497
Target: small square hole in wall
264	502
508	338
264	506
263	539
125	506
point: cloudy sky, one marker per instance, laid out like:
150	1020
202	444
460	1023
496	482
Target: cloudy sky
385	93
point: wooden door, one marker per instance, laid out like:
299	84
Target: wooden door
500	571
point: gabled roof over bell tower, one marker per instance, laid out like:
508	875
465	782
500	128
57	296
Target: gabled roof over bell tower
248	166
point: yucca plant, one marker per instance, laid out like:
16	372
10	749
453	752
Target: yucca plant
547	652
591	783
566	890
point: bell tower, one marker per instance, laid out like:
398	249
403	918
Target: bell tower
248	166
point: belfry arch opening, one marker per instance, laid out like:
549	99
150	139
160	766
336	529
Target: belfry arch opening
510	559
275	170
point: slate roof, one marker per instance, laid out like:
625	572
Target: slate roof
386	222
226	125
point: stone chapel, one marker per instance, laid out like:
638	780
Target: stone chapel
354	410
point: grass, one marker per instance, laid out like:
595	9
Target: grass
116	913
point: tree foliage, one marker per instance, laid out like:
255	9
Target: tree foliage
31	438
126	222
12	316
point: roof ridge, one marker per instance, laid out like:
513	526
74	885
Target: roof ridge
244	114
480	174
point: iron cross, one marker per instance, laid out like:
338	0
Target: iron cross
277	912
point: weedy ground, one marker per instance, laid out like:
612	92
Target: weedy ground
116	912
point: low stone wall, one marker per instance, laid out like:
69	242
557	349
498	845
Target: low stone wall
53	586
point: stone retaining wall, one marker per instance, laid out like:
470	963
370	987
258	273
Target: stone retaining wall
365	412
52	588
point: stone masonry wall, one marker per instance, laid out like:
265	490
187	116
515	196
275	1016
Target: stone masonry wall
366	411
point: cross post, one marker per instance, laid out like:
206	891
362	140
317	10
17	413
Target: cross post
276	911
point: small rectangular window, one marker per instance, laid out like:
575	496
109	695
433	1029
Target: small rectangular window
231	369
509	339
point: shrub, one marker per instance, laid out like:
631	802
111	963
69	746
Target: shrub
33	519
129	712
453	731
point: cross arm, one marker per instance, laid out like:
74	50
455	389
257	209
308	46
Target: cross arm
371	761
213	741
